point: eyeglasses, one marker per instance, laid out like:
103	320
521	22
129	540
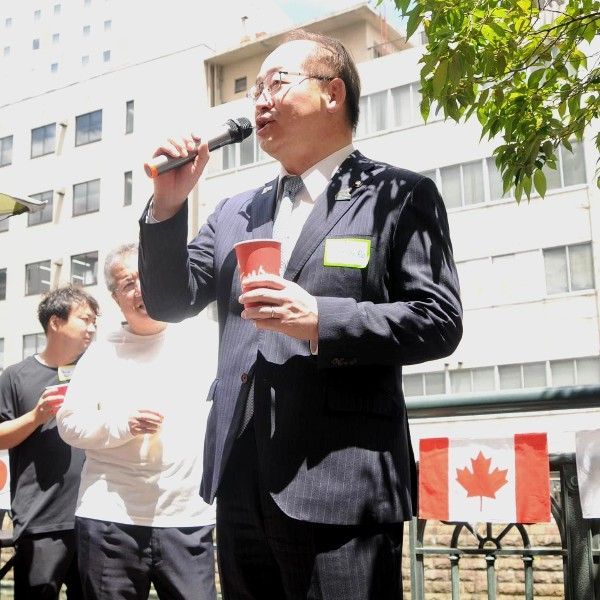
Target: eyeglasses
129	286
278	79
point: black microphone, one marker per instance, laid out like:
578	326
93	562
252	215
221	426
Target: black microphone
232	131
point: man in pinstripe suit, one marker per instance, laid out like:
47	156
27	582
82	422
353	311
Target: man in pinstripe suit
307	448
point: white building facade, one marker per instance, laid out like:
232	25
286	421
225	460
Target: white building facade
528	272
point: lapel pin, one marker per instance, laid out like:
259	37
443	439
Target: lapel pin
343	194
267	188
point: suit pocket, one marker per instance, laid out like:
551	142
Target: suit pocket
365	390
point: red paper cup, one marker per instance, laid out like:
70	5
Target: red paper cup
257	257
59	390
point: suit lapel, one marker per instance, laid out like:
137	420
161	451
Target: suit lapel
342	193
262	210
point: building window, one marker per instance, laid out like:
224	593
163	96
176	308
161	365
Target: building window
462	184
472	380
570	170
43	140
247	151
37	15
240	85
107	25
86	197
33	343
87	2
55	38
37	277
35	44
513	377
424	384
569	268
128	188
44	215
86	30
6	51
88	128
57	9
1	354
85	60
106	56
84	269
398	107
578	371
6	147
54	68
572	165
2	284
495	181
129	116
8	22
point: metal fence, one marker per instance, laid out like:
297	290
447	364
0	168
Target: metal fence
579	547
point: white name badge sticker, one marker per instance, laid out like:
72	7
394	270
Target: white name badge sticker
347	252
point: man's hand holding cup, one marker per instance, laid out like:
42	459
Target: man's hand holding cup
49	403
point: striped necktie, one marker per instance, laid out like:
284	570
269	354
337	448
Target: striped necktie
292	184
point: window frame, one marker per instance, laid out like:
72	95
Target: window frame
566	248
127	188
129	116
3	282
4	151
43	265
78	259
45	215
46	141
83	128
40	341
87	209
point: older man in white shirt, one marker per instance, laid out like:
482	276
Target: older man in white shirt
136	408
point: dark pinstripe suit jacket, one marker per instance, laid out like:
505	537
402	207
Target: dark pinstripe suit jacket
332	431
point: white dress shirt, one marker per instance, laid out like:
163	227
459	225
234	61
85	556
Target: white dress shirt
289	223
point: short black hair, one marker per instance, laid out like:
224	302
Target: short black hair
60	302
338	62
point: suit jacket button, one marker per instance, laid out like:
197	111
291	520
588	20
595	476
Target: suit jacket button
244	377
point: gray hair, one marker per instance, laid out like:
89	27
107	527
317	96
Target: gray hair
115	257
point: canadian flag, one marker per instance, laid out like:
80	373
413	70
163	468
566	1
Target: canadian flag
502	480
587	456
4	481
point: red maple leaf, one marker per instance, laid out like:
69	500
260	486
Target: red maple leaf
481	482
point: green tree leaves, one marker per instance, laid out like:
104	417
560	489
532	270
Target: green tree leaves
528	75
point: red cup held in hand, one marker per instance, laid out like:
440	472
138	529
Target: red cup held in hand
57	390
257	257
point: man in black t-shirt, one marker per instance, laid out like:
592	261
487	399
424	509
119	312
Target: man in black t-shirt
44	471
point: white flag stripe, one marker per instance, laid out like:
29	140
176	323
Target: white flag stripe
587	453
502	508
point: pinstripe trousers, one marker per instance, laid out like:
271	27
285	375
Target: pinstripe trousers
265	555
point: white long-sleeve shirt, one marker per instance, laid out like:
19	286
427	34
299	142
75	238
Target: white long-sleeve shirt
151	480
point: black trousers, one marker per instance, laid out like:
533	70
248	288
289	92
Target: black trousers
120	561
265	555
43	563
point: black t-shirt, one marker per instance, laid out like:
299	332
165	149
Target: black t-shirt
44	470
